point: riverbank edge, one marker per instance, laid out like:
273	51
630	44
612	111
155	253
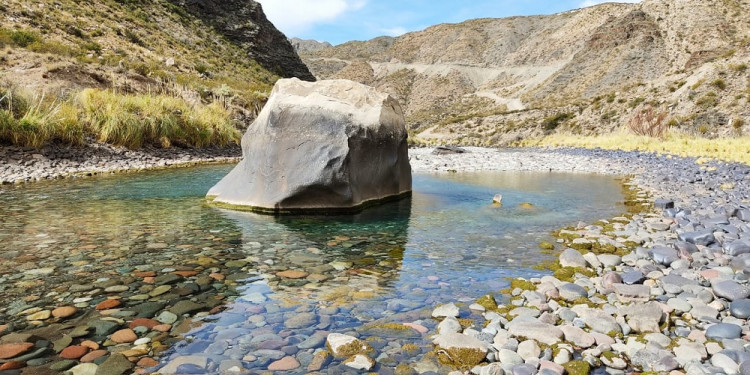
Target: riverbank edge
23	165
55	162
668	344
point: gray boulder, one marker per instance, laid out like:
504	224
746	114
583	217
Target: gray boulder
329	146
703	237
737	247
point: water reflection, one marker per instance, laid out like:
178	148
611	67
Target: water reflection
329	258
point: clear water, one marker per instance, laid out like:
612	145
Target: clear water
389	264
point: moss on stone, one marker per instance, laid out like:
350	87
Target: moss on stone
568	273
464	358
410	349
404	369
387	326
547	265
353	348
566	236
522	284
546	245
466	322
631	244
583	301
488	302
609	355
582	246
577	367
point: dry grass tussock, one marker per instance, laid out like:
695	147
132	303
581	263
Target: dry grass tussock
735	149
648	122
119	119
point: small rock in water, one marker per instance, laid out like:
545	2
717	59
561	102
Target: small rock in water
360	362
346	346
285	364
446	310
84	369
13	350
64	312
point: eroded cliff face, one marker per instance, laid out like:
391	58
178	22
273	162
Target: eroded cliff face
489	81
243	22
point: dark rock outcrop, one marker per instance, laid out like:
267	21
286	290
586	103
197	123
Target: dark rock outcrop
244	23
328	147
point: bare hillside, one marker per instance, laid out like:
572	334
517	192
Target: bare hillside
491	81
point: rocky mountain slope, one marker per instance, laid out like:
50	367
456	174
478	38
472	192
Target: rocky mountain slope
587	71
201	50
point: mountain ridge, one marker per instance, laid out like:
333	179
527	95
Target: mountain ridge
493	81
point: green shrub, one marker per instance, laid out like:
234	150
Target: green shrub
720	84
92	46
134	38
707	101
201	68
635	102
737	124
552	122
24	39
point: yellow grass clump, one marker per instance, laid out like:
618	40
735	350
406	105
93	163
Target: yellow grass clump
736	149
35	122
135	120
123	120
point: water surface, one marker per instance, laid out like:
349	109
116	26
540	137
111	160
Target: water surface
389	264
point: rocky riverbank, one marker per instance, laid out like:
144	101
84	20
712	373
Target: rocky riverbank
658	289
663	289
20	165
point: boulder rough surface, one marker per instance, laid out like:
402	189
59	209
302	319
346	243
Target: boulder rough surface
328	146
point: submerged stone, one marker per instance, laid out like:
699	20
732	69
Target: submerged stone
328	146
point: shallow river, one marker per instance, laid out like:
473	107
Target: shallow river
66	242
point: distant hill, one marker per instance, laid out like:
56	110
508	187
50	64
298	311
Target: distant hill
308	45
586	71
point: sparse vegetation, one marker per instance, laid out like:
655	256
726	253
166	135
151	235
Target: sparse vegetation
719	84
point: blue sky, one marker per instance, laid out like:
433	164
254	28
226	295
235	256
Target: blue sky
338	21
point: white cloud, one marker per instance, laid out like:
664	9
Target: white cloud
294	17
394	31
589	3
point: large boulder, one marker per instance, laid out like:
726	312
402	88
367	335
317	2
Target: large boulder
329	146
